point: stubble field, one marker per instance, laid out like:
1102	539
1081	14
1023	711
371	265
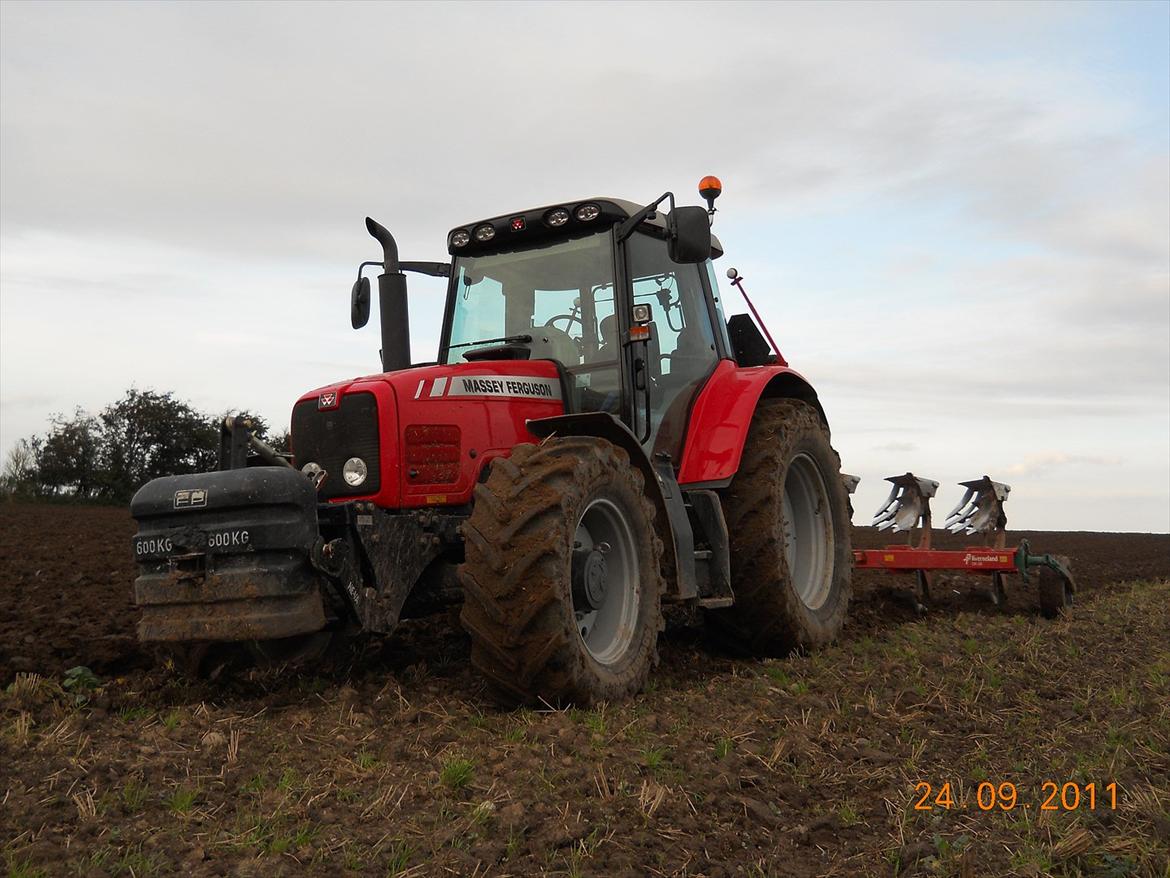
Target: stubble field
398	763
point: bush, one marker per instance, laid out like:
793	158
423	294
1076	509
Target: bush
142	436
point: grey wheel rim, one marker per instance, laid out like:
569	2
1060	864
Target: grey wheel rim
808	532
607	629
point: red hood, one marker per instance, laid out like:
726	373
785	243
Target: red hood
438	425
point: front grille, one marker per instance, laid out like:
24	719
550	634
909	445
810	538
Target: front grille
432	453
332	437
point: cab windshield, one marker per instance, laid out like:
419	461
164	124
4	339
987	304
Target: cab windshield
556	300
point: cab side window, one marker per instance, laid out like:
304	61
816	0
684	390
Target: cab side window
721	318
682	353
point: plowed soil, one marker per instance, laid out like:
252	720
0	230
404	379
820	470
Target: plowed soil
398	763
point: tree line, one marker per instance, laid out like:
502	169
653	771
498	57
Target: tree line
106	457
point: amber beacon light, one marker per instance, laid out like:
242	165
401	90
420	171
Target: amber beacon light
709	188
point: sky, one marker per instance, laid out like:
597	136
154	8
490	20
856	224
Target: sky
954	218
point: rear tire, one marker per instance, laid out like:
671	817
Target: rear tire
788	521
572	504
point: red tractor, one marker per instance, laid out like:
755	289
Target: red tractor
595	439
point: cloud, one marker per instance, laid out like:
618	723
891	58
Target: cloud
955	219
896	446
1050	460
318	121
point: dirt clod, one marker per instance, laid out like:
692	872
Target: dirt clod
760	812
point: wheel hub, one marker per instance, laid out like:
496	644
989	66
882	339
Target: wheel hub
808	532
604	581
590	577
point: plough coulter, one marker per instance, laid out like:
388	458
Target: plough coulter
980	512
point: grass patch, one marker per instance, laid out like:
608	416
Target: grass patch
22	868
777	674
653	757
398	859
288	779
133	714
457	773
134	794
182	801
723	748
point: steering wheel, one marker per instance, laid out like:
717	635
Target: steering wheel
572	318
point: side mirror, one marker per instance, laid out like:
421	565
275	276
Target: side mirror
689	234
359	303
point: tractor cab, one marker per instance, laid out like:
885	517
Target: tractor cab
633	324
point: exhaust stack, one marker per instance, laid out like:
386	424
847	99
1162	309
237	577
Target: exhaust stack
393	308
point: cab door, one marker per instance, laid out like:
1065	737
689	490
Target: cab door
681	352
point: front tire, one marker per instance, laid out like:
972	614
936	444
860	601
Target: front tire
788	522
562	574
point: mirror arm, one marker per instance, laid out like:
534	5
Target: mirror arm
363	266
627	227
434	269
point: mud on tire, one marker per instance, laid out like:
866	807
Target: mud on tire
787	448
519	606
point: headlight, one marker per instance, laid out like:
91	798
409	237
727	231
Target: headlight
557	217
485	232
354	472
459	238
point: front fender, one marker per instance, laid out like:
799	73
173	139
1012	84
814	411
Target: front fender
722	414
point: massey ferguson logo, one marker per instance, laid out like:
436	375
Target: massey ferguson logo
191	498
327	400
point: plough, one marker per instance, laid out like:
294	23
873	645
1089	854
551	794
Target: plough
980	511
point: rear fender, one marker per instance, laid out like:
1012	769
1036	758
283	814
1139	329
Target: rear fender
670	521
722	414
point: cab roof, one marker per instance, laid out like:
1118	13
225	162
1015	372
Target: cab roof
525	228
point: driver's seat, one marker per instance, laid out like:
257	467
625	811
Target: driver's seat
607	329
